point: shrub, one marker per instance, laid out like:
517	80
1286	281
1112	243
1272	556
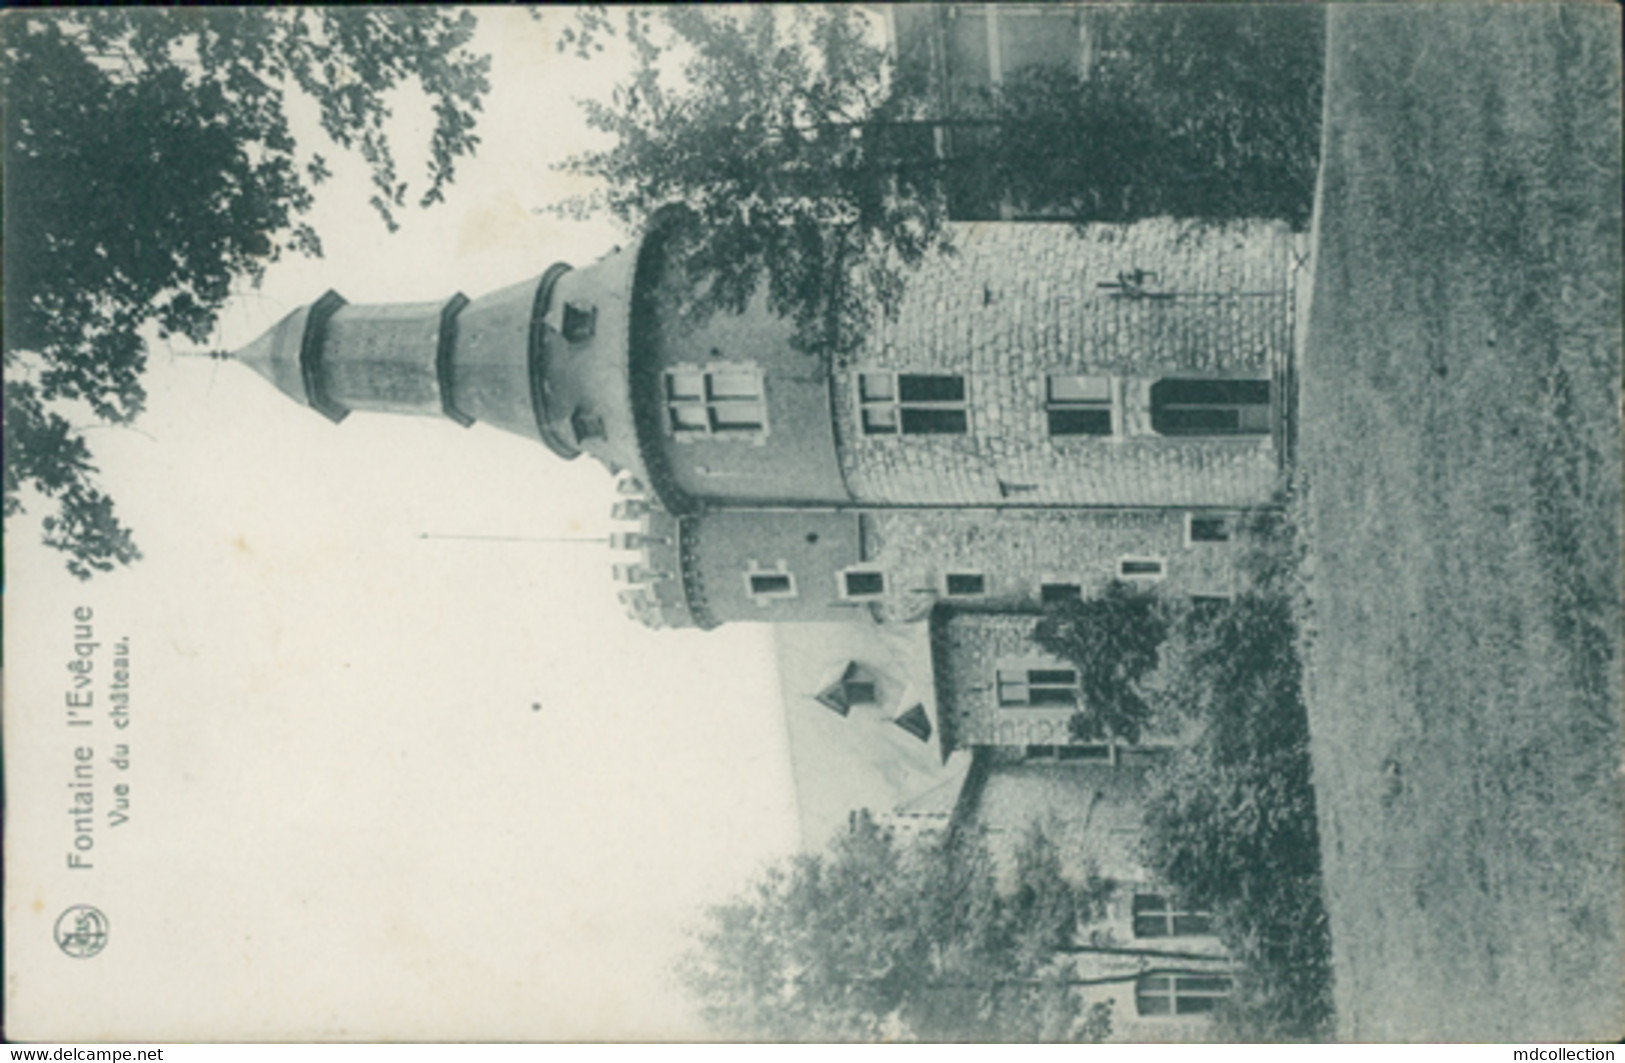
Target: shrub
1230	821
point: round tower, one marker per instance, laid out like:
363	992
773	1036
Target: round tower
546	358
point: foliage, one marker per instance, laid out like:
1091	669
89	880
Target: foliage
149	165
881	940
1114	641
823	172
782	138
1230	821
1193	111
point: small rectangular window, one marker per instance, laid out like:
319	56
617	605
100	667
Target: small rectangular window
912	403
767	586
1079	405
1209	529
1052	593
966	584
769	583
864	584
1140	568
580	321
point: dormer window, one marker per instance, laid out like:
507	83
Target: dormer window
580	321
853	685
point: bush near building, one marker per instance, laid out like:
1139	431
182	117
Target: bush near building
1230	820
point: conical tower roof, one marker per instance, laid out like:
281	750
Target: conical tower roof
288	355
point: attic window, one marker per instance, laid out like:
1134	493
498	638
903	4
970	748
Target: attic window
863	584
966	584
855	685
580	321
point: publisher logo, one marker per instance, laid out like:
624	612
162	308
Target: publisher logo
81	931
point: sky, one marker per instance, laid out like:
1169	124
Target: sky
379	786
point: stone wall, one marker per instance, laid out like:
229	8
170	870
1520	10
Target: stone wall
1017	550
1020	301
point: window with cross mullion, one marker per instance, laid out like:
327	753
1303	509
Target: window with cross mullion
912	403
718	401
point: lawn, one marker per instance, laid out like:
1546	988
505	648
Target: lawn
1460	444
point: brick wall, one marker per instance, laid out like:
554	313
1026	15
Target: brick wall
1020	301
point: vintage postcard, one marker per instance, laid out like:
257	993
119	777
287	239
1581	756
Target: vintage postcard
964	522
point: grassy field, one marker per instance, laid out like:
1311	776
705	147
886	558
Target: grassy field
1461	448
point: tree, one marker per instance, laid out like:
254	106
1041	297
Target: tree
1207	112
149	166
1114	641
790	139
824	172
878	940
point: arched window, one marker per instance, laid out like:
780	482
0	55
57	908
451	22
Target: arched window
1194	407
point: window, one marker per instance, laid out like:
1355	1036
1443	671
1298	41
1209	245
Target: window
1207	529
1036	688
1159	916
853	685
862	584
1210	407
770	583
1140	568
580	321
1079	405
966	584
722	401
1179	994
912	403
1053	593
